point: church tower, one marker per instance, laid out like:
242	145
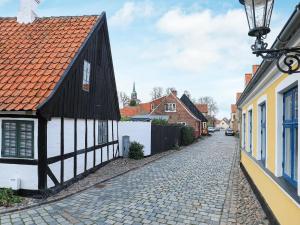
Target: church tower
134	94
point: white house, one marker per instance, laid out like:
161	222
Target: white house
59	110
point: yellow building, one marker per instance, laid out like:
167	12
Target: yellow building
269	136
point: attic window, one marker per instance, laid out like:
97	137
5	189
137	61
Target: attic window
86	76
170	107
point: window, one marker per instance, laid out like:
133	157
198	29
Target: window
170	107
86	76
182	123
250	131
102	132
152	107
263	136
290	136
204	125
17	138
244	130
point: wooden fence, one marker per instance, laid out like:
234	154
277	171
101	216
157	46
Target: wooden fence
164	137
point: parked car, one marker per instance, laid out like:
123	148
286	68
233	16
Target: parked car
211	129
229	132
217	129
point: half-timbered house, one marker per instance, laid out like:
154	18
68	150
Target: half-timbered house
58	100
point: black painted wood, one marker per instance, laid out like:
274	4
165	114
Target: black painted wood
19	161
101	102
85	145
112	131
42	154
94	142
75	148
55	159
52	176
62	150
107	147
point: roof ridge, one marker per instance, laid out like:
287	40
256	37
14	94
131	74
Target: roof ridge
54	17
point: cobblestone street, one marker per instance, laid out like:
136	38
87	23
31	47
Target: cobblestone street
197	185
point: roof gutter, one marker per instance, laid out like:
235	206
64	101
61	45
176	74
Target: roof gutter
281	41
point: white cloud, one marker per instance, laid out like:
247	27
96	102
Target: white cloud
131	11
200	40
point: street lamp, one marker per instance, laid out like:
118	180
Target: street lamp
259	13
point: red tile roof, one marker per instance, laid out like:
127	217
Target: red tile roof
34	56
142	108
202	107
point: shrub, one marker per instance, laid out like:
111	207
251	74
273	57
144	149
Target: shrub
7	197
187	134
159	122
136	151
132	103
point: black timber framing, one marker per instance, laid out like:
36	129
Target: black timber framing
85	145
112	133
42	153
75	148
94	142
107	147
62	149
33	162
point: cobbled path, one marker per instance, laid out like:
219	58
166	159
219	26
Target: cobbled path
191	186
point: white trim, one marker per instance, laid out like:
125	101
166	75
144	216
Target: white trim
288	83
287	194
250	108
260	101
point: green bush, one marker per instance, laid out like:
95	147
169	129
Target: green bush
187	134
7	197
136	151
159	122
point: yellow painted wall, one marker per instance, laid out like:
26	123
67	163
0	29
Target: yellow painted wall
285	210
283	207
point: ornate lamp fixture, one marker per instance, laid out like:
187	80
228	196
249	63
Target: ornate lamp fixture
259	14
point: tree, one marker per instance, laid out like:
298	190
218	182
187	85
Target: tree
156	92
170	89
124	98
211	104
188	94
132	103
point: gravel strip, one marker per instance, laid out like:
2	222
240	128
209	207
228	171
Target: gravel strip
112	169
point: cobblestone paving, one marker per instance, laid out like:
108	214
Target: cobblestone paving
192	186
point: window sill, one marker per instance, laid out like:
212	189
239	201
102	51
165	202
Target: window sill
170	111
280	181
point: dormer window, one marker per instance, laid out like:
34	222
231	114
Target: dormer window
86	76
170	107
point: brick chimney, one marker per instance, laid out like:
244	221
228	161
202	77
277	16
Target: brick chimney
174	91
238	95
248	77
254	69
27	10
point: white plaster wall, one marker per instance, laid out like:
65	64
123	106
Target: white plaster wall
55	168
28	174
69	135
53	137
80	134
137	131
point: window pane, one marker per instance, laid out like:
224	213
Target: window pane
295	154
296	103
25	140
288	108
9	145
287	152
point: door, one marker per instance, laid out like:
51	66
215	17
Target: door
263	132
290	136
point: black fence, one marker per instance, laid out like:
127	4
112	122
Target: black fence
164	138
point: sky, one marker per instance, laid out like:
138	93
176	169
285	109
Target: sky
196	45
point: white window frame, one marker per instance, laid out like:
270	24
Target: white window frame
86	76
250	108
244	126
262	100
287	84
171	106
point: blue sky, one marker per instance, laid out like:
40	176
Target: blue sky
195	45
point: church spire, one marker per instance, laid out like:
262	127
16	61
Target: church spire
134	94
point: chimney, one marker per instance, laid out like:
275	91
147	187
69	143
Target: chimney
248	77
238	95
254	69
174	92
27	10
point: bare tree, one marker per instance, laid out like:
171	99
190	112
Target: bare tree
156	92
124	98
170	89
211	104
188	94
